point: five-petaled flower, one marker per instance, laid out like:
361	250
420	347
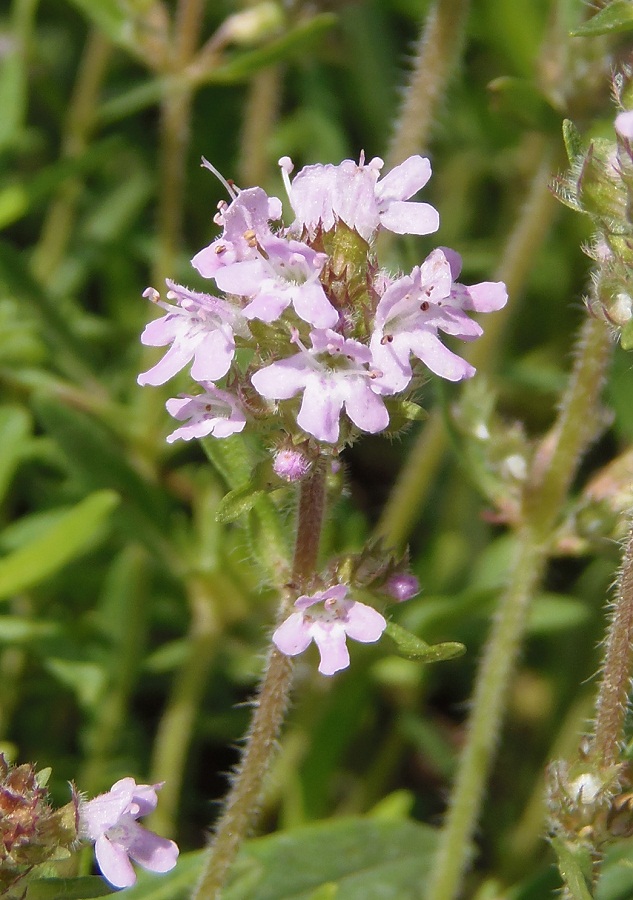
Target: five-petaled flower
332	374
109	821
327	618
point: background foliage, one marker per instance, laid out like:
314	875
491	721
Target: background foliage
132	625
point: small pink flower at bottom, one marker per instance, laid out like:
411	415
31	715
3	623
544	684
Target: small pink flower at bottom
327	618
109	821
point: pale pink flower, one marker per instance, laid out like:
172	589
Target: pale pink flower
200	327
321	195
214	412
109	821
328	618
415	307
332	375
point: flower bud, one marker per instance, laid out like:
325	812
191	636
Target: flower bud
402	586
291	464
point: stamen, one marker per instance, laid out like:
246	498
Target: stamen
229	185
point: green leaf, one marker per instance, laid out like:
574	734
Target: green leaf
99	460
573	140
67	539
14	70
237	502
364	859
626	336
414	648
520	100
575	866
15	427
614	18
68	888
16	629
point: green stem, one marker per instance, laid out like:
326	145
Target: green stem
243	801
173	737
437	53
552	474
260	114
615	685
80	120
407	497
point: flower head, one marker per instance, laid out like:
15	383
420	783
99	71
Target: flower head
333	375
109	821
327	618
199	327
321	195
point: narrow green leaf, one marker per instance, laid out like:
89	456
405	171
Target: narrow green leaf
414	648
572	139
626	336
68	888
15	630
99	460
71	535
575	867
236	503
294	42
614	18
231	458
15	427
13	71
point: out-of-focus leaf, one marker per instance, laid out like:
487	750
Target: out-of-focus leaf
68	888
366	859
84	678
13	71
615	17
521	101
295	41
14	629
414	648
239	68
68	538
19	282
99	461
15	427
555	612
121	20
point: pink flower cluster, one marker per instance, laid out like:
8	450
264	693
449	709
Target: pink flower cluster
314	352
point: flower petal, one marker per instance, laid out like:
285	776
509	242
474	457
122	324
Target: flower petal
330	640
114	863
158	854
364	623
293	635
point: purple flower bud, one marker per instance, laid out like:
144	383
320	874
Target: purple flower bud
291	465
402	586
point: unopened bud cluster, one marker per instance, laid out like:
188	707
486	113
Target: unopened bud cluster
600	184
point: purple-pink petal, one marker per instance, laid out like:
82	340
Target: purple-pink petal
431	351
114	863
330	639
321	408
213	355
293	635
365	408
364	623
404	217
404	180
155	853
283	379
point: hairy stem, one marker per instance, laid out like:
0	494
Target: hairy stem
615	684
242	804
436	55
407	496
550	480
